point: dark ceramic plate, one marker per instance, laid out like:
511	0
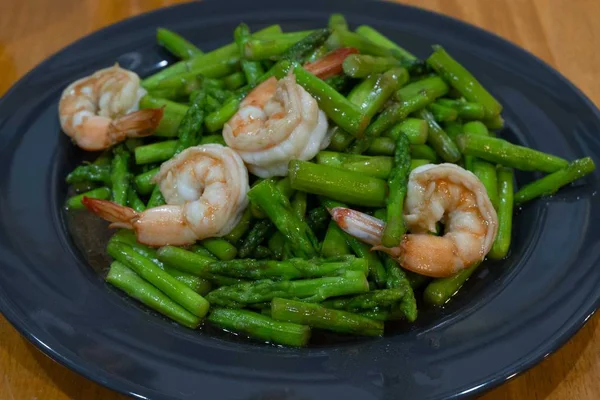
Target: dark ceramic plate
508	317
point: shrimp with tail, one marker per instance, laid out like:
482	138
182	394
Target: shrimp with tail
443	193
101	110
205	188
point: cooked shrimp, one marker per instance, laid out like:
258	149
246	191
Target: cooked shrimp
277	122
446	193
101	110
205	190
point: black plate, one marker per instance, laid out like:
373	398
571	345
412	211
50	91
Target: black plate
507	318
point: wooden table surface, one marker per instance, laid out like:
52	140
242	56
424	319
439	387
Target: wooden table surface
564	33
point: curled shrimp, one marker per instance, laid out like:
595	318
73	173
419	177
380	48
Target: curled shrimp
279	121
100	110
446	193
205	190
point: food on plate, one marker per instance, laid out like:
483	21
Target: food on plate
298	181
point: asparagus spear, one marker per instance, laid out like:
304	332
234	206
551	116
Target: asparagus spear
415	129
252	69
258	233
462	80
550	184
335	244
397	184
176	290
473	128
316	316
377	167
303	47
396	278
362	65
235	80
176	44
440	290
505	214
220	248
294	268
134	201
384	87
442	113
299	204
193	263
212	57
387	146
190	128
439	140
337	21
90	172
156	198
486	173
494	123
510	155
212	139
272	48
376	37
127	237
344	38
382	298
274	203
337	184
156	152
412	98
340	140
318	289
465	109
260	326
241	228
143	181
128	281
74	202
120	176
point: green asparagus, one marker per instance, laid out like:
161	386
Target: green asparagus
131	283
510	155
397	184
311	290
260	326
550	184
462	80
505	214
317	316
274	203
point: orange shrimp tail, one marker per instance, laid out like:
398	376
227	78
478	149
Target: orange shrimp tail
136	124
120	216
331	64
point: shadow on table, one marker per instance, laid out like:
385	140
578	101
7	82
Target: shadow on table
541	381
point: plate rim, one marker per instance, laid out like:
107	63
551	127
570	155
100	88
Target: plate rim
559	337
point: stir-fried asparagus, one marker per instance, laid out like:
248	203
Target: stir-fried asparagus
311	290
260	326
317	316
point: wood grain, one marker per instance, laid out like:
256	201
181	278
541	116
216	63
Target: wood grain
564	33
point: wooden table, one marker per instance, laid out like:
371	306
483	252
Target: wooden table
564	33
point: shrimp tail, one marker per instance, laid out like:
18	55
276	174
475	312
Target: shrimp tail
120	216
362	226
136	124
